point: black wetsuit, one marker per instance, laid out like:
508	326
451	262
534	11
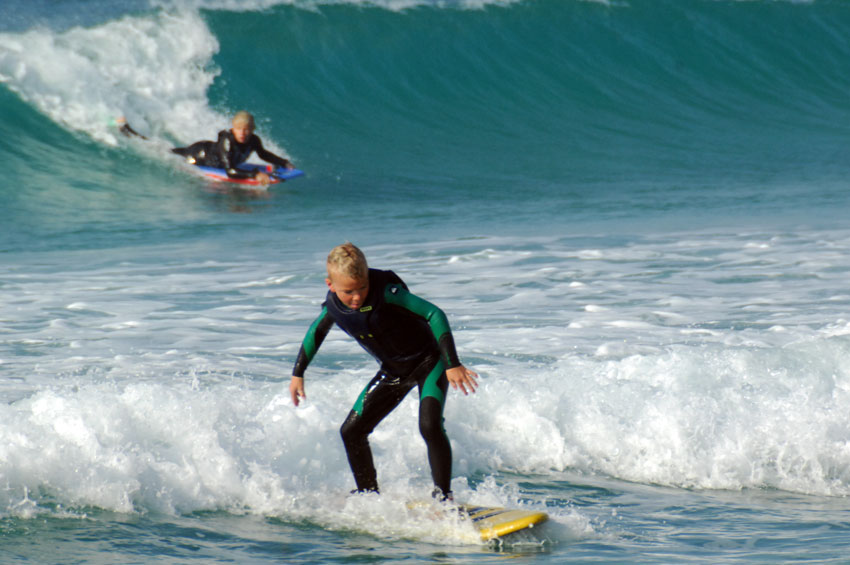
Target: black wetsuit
411	339
227	153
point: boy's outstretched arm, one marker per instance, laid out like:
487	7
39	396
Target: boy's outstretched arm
462	378
459	376
314	338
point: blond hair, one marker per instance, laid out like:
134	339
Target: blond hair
348	260
243	117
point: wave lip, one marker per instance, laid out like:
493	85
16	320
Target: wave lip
154	69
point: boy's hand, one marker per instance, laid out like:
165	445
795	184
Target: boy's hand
296	390
462	378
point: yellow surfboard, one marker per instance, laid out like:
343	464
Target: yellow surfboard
498	522
490	522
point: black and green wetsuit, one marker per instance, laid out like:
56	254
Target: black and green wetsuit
411	339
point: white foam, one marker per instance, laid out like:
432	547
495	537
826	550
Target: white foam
154	69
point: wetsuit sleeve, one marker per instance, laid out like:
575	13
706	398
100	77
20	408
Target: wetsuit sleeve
436	318
310	345
267	155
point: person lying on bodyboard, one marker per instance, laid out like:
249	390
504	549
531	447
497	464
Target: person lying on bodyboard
232	148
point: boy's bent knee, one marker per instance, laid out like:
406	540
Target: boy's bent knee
431	419
352	428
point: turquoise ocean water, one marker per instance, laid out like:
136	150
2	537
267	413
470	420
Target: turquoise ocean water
634	212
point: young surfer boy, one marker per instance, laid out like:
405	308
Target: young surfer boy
232	148
410	338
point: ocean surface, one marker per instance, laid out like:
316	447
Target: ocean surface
636	214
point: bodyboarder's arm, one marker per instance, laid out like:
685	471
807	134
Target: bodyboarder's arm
270	157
